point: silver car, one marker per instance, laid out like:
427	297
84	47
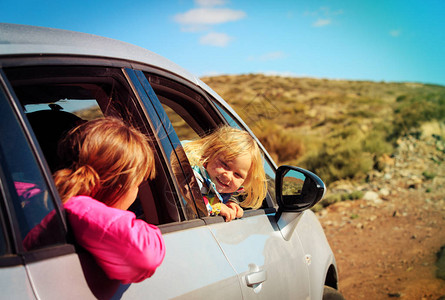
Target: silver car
50	80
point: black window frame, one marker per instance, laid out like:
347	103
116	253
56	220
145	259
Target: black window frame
17	254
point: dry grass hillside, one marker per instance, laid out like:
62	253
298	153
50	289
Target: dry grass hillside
339	129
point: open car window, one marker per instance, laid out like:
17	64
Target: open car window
193	116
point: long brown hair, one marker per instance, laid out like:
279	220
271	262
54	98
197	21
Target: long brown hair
105	158
230	143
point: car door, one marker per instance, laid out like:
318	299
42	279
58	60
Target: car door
13	275
267	264
26	201
194	265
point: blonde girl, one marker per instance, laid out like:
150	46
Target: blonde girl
106	161
231	159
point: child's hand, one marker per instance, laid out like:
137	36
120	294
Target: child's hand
228	213
239	212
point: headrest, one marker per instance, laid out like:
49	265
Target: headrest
50	126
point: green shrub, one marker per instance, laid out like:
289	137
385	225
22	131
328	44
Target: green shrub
340	159
413	109
355	195
330	199
376	142
317	207
428	175
338	197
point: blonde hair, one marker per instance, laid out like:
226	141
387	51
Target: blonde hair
105	159
229	143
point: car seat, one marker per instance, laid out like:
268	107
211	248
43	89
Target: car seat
50	126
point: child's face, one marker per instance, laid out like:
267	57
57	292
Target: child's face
227	175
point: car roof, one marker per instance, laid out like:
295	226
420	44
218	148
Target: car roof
18	39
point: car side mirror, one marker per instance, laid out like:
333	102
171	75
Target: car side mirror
297	189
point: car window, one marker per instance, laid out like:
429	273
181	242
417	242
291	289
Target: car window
58	98
182	129
32	203
192	115
185	107
268	168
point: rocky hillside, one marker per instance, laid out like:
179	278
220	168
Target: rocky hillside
417	163
389	243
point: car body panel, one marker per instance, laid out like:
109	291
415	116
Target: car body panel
14	283
194	267
260	247
316	245
54	278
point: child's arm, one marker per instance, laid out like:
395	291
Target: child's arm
239	212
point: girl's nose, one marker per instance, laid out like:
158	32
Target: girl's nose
227	176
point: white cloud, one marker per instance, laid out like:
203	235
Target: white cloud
268	56
210	2
208	16
395	33
324	16
215	39
322	22
205	17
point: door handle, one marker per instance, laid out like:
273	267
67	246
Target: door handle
256	278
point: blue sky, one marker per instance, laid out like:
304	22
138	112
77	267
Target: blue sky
378	40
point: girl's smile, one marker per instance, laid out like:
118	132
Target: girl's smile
228	176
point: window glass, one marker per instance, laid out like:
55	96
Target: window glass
270	175
228	118
33	205
86	109
183	130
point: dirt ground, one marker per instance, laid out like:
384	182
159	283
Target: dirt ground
386	245
387	250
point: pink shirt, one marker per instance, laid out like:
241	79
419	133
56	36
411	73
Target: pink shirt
126	248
